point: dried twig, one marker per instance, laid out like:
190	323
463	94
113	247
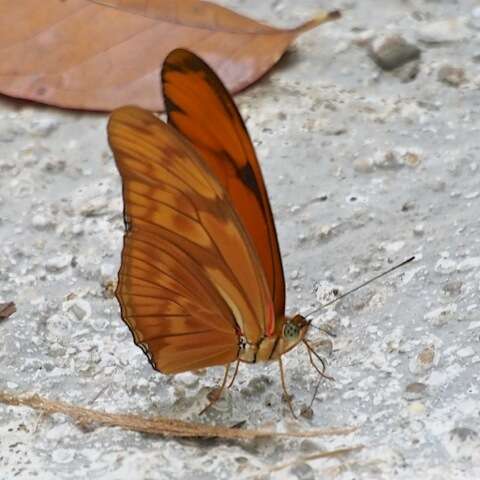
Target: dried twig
315	456
157	425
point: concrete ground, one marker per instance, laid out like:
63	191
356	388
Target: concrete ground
365	167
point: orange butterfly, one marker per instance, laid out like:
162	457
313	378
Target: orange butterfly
201	281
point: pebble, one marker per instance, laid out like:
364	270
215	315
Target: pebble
392	51
107	272
322	232
363	165
58	328
53	165
416	408
388	161
408	72
463	443
437	185
445	266
419	230
469	264
392	247
450	75
466	352
42	222
426	359
58	263
187	379
453	288
43	127
440	316
93	207
302	471
415	391
463	434
443	31
80	308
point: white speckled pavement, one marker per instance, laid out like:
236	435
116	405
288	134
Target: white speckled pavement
364	167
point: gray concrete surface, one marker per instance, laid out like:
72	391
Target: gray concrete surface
364	167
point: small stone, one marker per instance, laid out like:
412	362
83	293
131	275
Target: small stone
306	412
437	185
469	264
8	133
58	328
308	446
415	391
463	443
443	31
322	232
93	207
445	266
424	360
408	72
441	316
187	379
453	76
107	272
44	127
42	222
419	230
466	352
58	263
295	209
453	288
54	165
463	434
411	159
363	165
80	308
388	161
392	51
392	247
302	471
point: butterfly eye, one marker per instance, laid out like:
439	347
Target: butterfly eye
291	331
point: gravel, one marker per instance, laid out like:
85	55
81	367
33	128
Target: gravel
364	167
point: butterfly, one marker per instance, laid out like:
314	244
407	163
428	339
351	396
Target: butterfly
201	280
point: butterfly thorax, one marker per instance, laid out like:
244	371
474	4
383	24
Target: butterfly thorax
288	333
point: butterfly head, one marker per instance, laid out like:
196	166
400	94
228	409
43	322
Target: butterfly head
294	329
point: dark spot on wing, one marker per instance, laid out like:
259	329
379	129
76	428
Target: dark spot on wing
248	178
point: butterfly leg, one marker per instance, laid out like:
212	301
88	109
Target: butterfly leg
215	395
234	374
284	386
311	353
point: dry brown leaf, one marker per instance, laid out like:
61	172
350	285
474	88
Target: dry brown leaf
156	426
99	55
7	309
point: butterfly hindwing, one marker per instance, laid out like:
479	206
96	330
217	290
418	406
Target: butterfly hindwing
202	110
190	283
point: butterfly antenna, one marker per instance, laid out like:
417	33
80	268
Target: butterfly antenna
358	287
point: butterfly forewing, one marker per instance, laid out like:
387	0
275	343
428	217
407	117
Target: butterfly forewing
202	110
190	283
